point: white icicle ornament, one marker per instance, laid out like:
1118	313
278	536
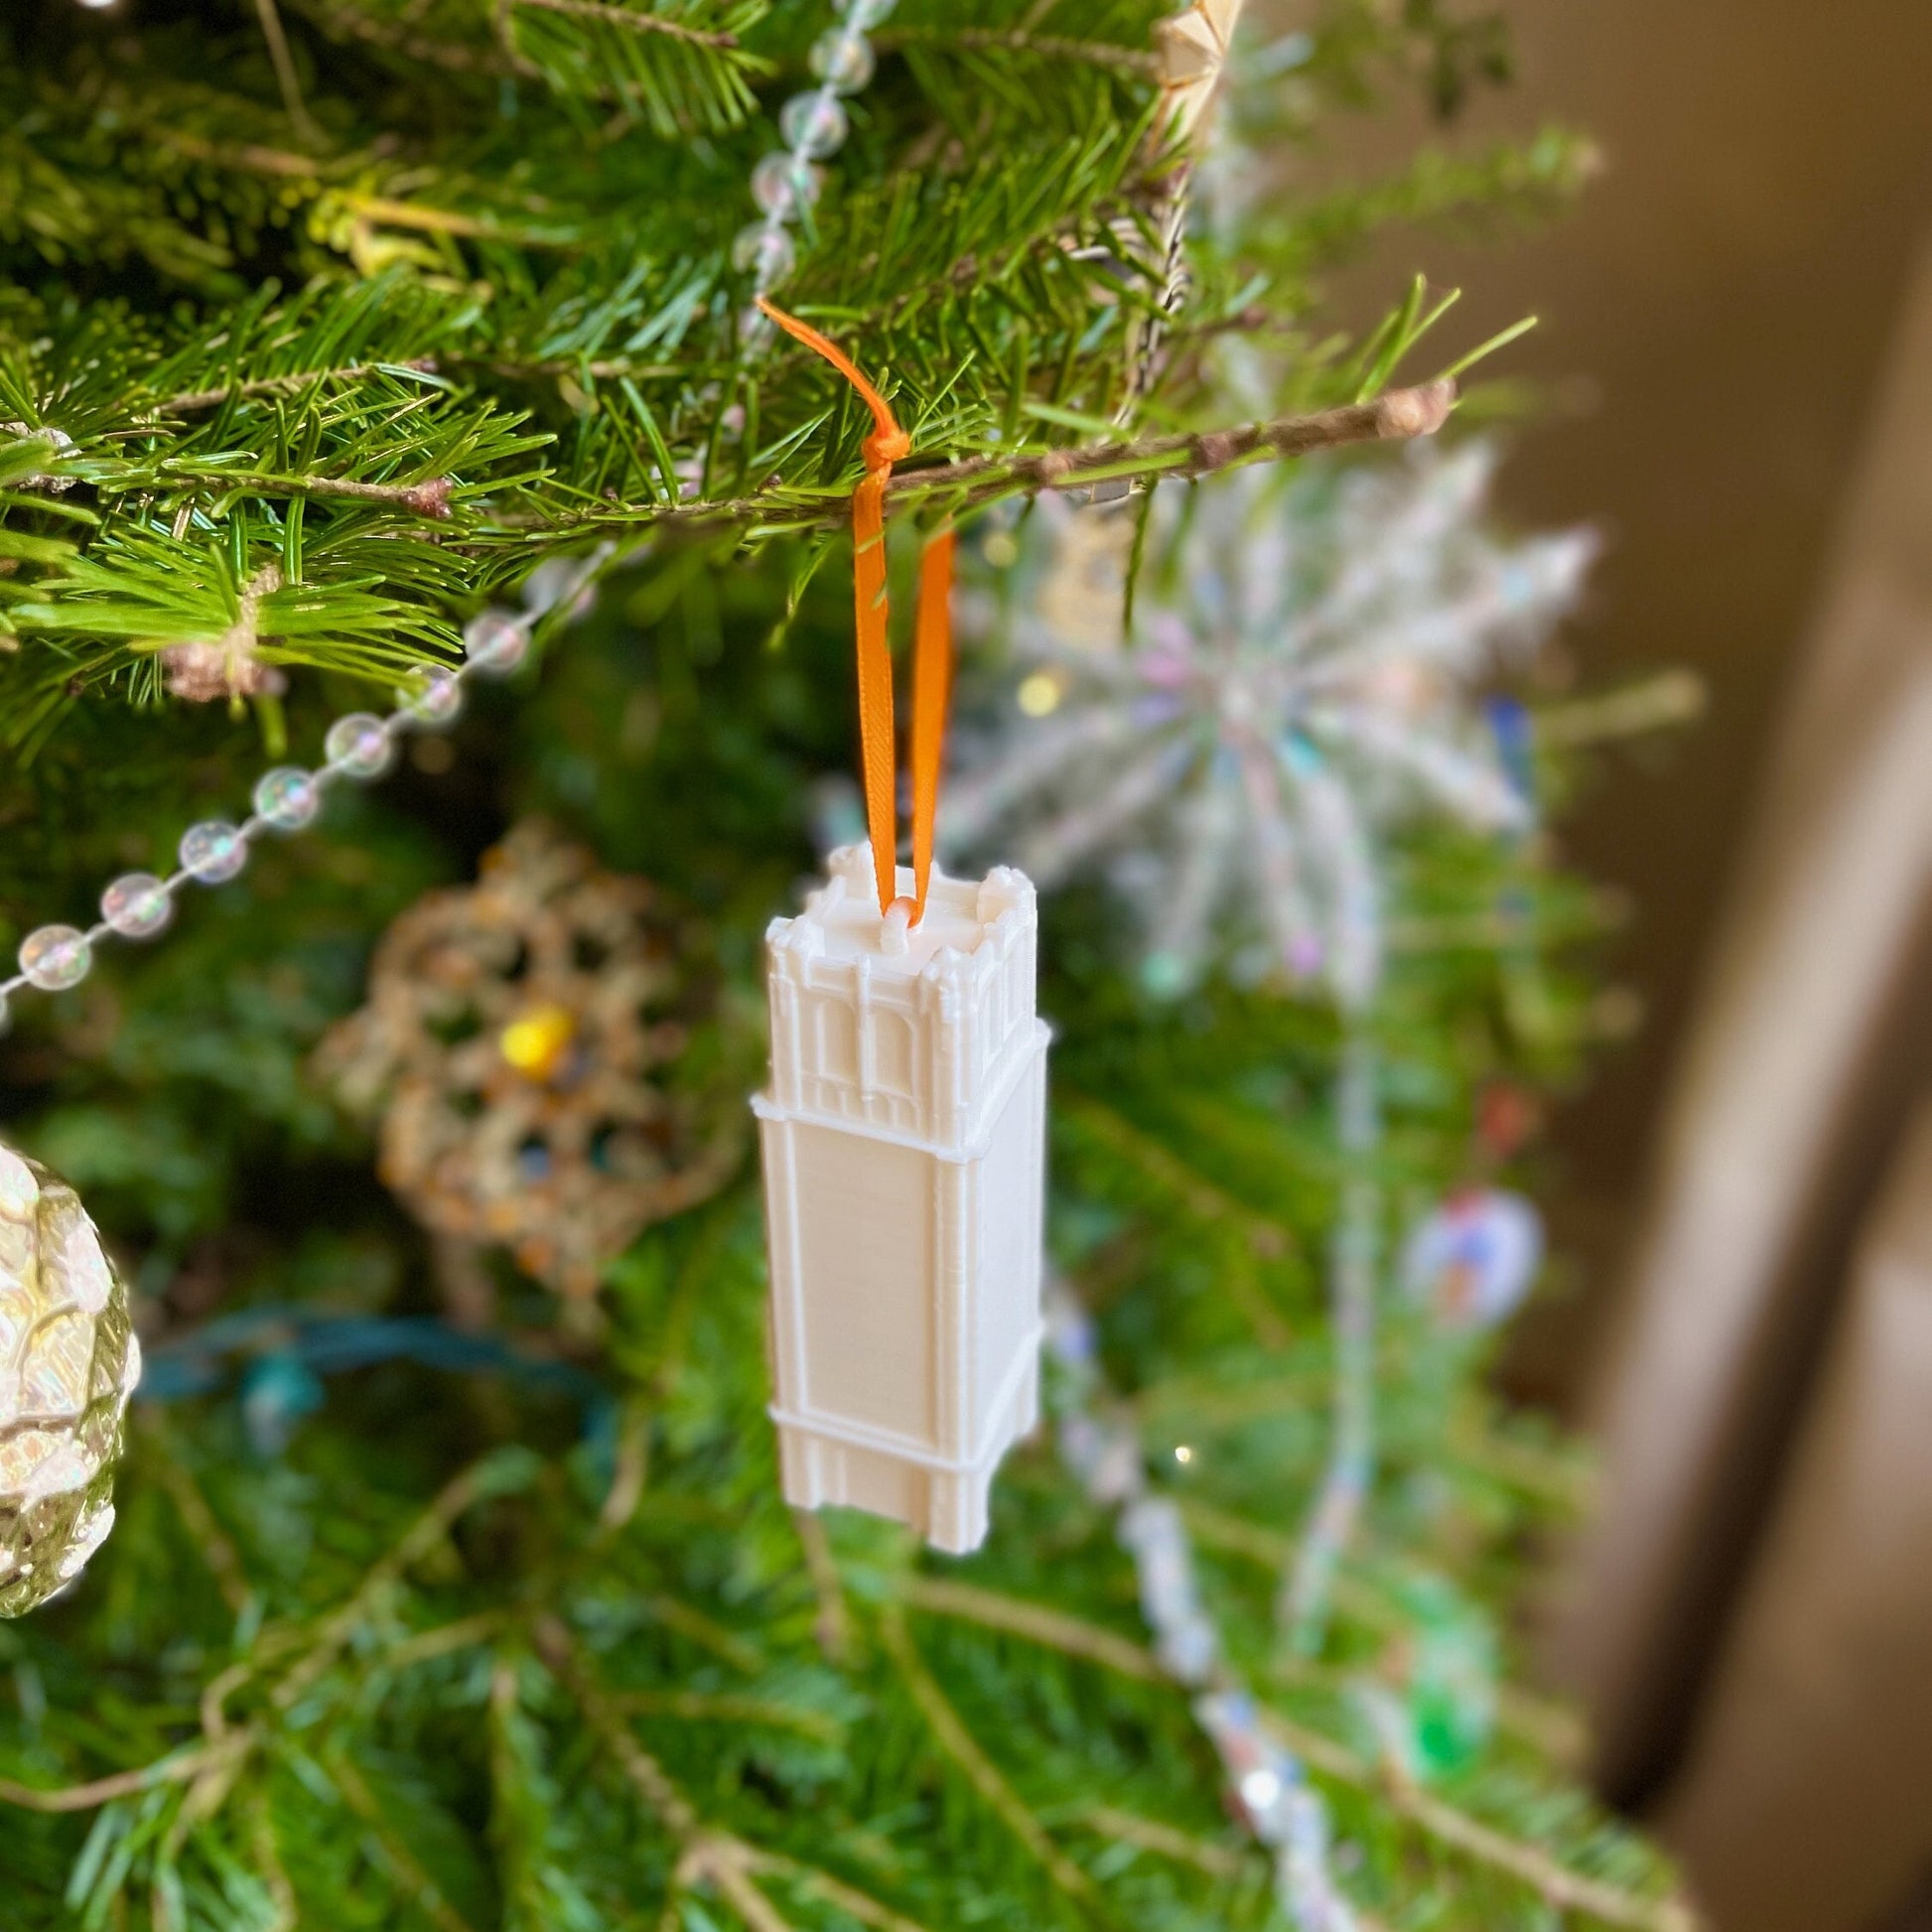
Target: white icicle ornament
68	1361
904	1158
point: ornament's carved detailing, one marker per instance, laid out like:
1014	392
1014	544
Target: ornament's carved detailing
905	1156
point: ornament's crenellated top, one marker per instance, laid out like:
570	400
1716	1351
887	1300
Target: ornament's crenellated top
963	918
914	1031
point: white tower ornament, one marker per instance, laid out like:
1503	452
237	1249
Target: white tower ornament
904	1161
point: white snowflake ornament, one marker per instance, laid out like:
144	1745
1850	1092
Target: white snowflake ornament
1299	677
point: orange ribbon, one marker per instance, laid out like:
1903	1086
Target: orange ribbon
932	647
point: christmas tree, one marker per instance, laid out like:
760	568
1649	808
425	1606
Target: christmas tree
421	599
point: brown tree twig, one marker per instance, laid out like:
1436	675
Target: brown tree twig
191	401
855	1904
414	47
1149	1834
636	23
1394	415
833	1625
120	1784
1135	60
430	498
1073	1635
705	1853
723	1707
1674	697
704	1631
285	75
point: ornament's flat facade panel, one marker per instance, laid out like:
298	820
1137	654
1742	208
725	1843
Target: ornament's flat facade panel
871	1222
903	1163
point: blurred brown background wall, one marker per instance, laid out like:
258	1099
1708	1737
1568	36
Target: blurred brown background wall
1715	315
1715	319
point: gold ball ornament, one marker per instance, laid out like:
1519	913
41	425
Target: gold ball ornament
68	1361
520	1044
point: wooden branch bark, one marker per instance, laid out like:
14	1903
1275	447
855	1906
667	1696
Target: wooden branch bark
1395	416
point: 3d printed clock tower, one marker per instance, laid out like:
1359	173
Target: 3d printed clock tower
905	1160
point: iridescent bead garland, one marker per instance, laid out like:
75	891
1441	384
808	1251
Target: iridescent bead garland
1354	1273
287	799
1273	1796
787	182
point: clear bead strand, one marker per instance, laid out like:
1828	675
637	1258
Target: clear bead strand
359	747
787	182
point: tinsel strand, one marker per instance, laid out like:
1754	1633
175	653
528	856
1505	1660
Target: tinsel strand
1268	1783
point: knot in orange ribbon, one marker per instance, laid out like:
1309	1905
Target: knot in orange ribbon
932	648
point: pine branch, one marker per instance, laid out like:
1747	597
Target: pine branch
421	1889
965	1751
1561	1889
338	1629
213	1542
1148	1835
712	1707
1070	1635
1207	1200
178	1769
633	23
1261	1237
1139	62
705	1853
832	1627
974	482
191	401
835	1892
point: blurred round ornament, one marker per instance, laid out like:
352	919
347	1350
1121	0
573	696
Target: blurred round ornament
520	1044
1437	1712
1475	1259
68	1361
1451	1679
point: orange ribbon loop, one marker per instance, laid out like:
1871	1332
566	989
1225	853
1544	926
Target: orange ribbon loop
931	688
932	650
